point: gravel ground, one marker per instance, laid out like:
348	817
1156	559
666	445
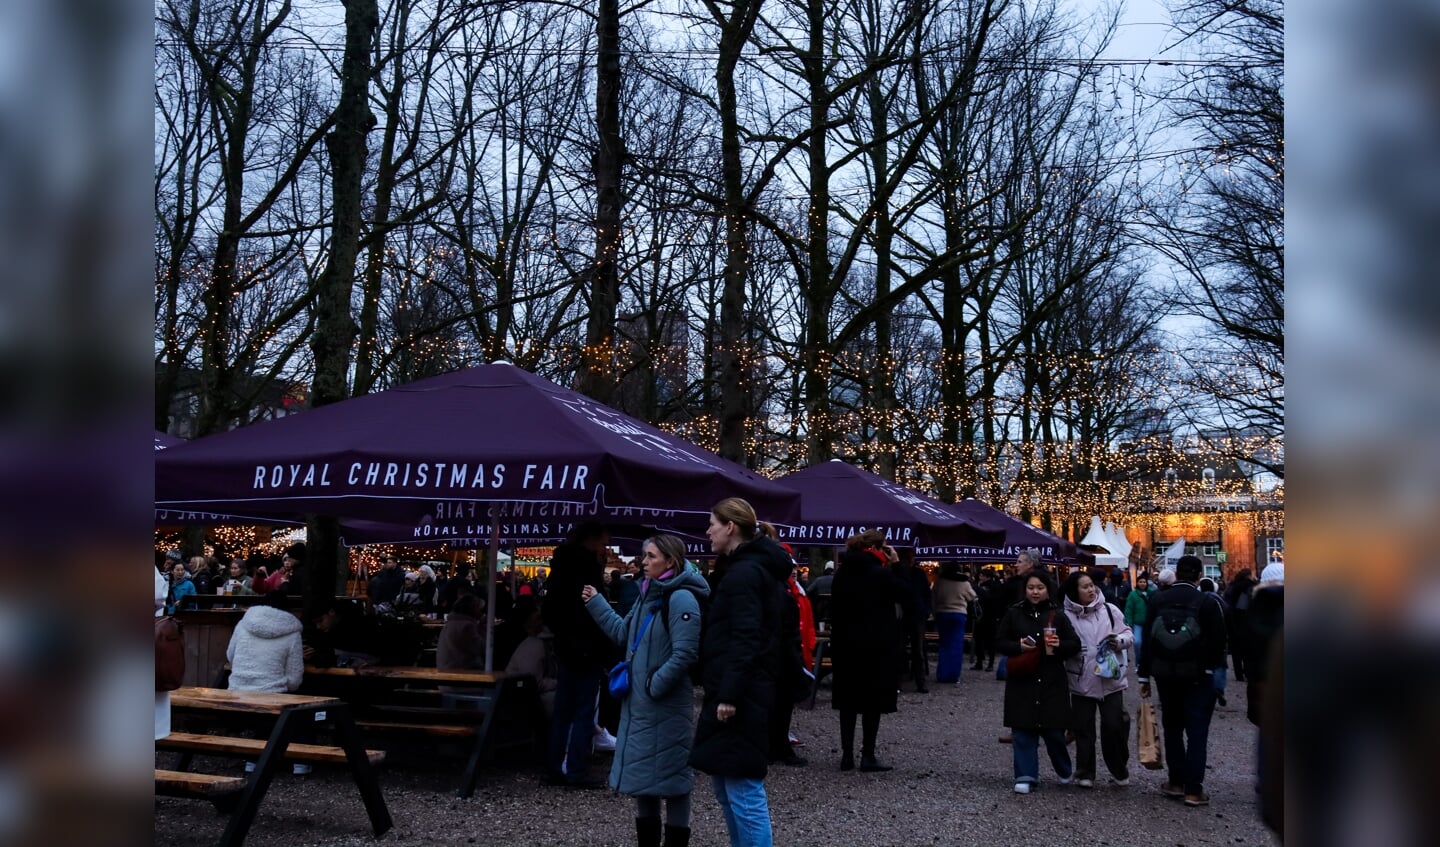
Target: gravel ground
951	786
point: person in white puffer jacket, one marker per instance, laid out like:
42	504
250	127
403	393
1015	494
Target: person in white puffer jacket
265	652
1096	621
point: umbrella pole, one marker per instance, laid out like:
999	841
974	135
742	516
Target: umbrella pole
491	557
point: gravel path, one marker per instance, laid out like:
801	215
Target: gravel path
951	786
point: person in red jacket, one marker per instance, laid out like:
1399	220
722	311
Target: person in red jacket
793	685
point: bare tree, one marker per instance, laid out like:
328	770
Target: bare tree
1223	226
334	325
240	124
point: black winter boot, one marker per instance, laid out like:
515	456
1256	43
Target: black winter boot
677	836
647	830
847	761
870	765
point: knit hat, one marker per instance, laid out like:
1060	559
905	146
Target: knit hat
174	556
1274	572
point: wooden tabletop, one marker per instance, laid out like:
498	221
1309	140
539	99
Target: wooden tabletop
255	702
405	673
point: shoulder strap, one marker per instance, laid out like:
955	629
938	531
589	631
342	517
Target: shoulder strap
641	634
665	605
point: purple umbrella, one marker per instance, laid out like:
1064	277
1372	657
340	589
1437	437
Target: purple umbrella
1019	536
180	517
838	500
470	448
450	446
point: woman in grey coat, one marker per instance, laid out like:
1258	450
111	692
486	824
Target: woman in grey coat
657	724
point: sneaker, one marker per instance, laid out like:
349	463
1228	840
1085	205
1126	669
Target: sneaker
1197	799
604	740
1022	788
1171	790
1065	780
1121	781
796	742
1085	783
300	770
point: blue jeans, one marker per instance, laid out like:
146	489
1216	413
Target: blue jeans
1025	745
1185	710
951	628
572	728
746	810
1139	631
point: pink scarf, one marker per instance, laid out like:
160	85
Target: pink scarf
645	583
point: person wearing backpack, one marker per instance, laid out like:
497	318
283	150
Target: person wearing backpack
1098	683
661	633
1184	644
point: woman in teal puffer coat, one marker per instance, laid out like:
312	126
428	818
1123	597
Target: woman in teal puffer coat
657	725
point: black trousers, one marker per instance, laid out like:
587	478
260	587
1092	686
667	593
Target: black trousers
870	726
983	643
914	635
1114	734
780	717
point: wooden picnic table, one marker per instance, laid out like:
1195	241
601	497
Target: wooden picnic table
471	705
290	712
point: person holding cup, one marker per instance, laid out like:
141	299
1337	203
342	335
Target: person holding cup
1037	703
239	580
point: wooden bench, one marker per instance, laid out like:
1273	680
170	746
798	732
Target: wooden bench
204	786
250	748
288	713
475	706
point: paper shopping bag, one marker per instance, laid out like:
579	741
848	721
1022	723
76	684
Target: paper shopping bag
1147	731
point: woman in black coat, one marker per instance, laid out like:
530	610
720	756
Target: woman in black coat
739	660
1037	706
865	644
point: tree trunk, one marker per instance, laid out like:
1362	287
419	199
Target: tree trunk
334	326
598	378
731	363
819	292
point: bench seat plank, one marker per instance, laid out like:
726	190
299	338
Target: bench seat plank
205	785
435	729
224	745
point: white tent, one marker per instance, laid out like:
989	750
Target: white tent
1112	540
1174	552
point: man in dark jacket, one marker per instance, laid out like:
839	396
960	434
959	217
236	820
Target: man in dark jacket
1183	664
1237	599
740	659
386	585
916	608
993	608
582	654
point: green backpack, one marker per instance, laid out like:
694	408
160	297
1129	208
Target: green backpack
1175	642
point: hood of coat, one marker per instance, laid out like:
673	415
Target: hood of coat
1080	610
462	619
687	578
769	554
269	622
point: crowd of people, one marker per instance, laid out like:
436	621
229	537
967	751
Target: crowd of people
746	635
